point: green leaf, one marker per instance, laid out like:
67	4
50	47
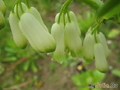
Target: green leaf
26	65
10	59
83	88
34	67
95	4
76	79
116	72
97	74
108	9
113	33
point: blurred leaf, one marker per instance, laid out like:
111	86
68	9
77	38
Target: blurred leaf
86	21
95	4
26	65
116	72
12	59
88	77
67	61
97	74
113	33
108	9
76	80
34	67
81	88
1	68
42	55
52	66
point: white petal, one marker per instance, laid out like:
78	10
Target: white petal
18	37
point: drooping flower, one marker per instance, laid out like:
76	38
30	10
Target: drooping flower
57	31
100	58
39	39
72	40
2	20
2	7
18	37
88	47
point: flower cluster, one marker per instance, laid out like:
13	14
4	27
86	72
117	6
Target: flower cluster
65	38
95	46
2	13
66	33
27	26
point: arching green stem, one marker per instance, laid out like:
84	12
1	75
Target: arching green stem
14	6
64	8
21	6
27	4
17	11
69	20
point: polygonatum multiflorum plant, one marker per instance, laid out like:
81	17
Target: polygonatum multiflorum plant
27	26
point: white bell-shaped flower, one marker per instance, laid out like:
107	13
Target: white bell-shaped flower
37	15
40	39
2	7
72	40
88	47
57	32
100	58
18	37
101	38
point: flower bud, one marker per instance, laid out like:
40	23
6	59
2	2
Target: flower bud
100	59
18	37
72	40
102	40
20	12
2	7
88	47
37	15
74	19
39	39
2	21
57	31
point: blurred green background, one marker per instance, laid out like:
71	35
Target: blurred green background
26	69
